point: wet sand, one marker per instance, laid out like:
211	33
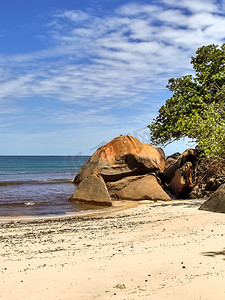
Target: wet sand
151	251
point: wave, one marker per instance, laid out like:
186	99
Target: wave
35	182
20	203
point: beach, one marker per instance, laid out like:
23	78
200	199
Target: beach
152	250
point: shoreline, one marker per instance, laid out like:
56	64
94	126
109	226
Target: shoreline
152	251
118	205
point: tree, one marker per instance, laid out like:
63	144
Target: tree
197	108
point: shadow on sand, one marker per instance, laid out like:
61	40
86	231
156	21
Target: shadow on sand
214	253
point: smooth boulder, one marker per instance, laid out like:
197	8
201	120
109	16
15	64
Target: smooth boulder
216	202
115	186
123	156
93	190
182	182
171	159
146	188
187	156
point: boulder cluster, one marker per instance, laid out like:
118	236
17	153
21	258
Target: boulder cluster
126	169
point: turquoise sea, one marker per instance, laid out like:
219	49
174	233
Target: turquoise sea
39	185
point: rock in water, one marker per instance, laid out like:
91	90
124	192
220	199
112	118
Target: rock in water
123	156
216	202
146	188
93	190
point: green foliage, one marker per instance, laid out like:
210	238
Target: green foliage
197	108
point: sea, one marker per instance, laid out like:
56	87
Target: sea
39	185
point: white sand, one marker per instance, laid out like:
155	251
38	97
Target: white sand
153	251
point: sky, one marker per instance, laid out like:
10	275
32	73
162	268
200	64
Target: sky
74	74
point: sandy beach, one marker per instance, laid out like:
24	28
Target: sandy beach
151	251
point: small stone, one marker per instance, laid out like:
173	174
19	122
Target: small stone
120	286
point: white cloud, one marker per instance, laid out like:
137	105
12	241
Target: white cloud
74	16
116	60
194	6
133	9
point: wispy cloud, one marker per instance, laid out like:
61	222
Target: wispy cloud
195	6
116	60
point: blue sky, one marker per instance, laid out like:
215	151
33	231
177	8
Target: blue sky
75	74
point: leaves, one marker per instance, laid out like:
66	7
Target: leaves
197	108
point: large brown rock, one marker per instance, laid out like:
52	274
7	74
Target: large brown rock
182	182
216	202
171	159
115	186
146	188
187	156
169	162
123	156
92	189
